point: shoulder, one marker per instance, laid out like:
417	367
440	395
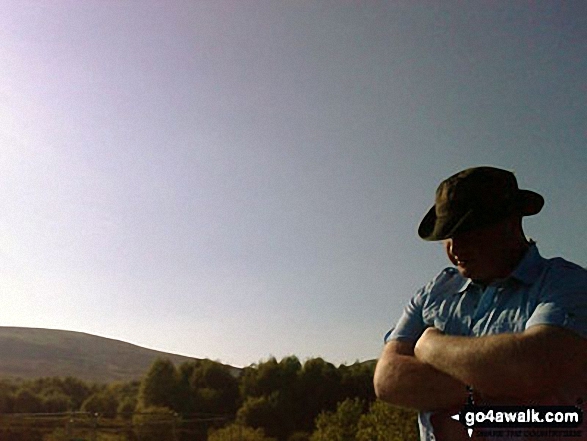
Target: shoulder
550	273
445	276
565	265
562	282
561	296
561	272
448	280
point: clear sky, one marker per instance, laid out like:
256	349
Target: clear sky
244	179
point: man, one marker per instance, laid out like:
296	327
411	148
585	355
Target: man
506	323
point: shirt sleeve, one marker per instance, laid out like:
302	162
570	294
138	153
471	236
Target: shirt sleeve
564	301
410	325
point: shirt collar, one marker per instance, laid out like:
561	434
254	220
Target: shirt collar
526	272
530	267
465	285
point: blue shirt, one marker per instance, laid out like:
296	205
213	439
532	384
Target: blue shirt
539	291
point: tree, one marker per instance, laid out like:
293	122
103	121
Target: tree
155	423
185	397
357	381
319	390
160	385
6	397
126	395
340	425
271	396
77	390
384	422
126	408
56	402
262	379
213	388
26	401
103	403
238	432
270	376
261	412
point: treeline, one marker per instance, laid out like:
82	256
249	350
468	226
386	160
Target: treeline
56	395
272	400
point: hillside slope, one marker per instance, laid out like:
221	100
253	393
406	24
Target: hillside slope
31	353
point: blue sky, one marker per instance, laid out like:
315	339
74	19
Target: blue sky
244	179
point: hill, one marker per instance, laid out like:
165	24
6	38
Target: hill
32	353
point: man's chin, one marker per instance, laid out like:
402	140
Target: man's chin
467	272
475	276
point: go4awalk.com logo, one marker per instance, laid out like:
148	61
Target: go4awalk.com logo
521	417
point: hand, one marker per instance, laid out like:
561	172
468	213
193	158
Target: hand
425	343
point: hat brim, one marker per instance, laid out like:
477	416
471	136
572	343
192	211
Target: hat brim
530	202
432	228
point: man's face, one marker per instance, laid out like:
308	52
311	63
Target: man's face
483	254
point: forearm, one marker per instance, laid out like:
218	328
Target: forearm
483	362
520	366
403	380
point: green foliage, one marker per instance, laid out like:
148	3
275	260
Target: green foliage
319	389
251	383
185	400
261	412
286	397
213	389
200	387
160	385
340	425
26	401
239	432
6	397
357	381
62	435
126	407
103	403
125	390
126	395
274	397
76	390
271	376
49	395
384	422
299	436
284	400
56	401
155	423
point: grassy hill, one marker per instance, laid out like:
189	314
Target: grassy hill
32	353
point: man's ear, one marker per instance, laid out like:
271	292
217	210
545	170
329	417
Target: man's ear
451	256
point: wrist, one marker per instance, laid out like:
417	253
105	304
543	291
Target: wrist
425	345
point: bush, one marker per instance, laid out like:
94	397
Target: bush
384	422
340	425
240	432
103	403
155	423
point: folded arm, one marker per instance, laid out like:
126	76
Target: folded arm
527	365
401	379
